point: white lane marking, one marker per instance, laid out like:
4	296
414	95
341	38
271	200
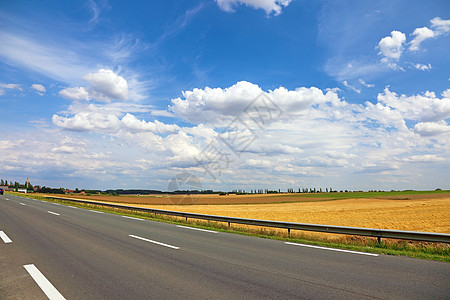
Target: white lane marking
5	238
50	212
22	203
132	218
199	229
7	199
332	249
96	211
154	242
50	291
56	203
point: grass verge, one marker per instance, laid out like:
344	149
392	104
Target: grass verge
415	249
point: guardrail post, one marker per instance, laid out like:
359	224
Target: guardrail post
379	239
289	233
229	225
186	219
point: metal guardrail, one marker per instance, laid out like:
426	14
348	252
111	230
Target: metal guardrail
371	232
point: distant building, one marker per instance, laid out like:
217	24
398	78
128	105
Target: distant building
22	190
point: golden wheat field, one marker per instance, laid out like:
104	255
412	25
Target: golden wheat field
417	213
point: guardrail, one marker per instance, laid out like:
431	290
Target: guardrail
371	232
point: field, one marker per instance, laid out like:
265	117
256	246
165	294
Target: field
417	211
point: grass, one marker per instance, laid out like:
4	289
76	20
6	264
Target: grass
415	249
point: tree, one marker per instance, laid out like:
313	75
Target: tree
2	182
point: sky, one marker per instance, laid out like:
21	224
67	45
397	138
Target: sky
225	94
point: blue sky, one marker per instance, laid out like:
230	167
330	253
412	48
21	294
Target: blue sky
120	94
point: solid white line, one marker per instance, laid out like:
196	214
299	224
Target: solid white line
332	249
132	218
50	212
199	229
56	203
154	242
22	203
45	285
5	238
96	211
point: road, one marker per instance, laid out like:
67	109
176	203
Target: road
89	255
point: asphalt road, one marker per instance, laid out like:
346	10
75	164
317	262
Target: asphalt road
90	255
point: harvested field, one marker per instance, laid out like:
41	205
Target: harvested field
408	212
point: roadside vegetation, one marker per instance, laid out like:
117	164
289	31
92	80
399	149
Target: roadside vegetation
415	249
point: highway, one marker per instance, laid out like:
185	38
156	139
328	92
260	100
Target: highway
55	251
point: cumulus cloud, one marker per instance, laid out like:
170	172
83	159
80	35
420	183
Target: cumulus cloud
438	26
432	128
420	34
269	6
75	93
105	86
426	107
218	106
391	47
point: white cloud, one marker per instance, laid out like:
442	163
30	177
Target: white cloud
318	133
440	26
51	60
11	86
75	93
422	67
269	6
347	85
107	84
423	108
420	34
391	47
39	88
368	85
432	128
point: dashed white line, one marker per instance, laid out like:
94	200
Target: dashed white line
50	291
5	238
132	218
22	203
96	211
199	229
50	212
332	249
154	242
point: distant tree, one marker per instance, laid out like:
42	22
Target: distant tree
2	182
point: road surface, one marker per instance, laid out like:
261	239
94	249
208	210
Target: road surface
55	251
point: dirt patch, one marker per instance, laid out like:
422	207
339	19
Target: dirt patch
201	199
415	197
